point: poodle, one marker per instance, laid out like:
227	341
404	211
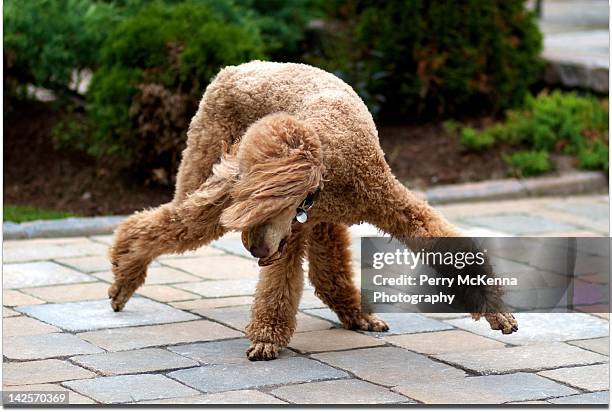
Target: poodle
288	154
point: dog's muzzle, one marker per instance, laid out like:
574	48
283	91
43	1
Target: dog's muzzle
267	261
301	217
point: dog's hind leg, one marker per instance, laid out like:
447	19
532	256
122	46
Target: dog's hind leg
330	273
170	228
273	317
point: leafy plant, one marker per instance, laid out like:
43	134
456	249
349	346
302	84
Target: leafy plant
474	140
283	24
594	156
153	69
528	162
47	42
551	122
427	58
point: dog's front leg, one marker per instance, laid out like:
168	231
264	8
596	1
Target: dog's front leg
273	316
332	276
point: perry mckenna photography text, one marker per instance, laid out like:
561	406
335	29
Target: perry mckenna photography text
441	275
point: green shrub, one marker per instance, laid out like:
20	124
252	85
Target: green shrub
421	57
283	24
528	162
46	40
594	156
474	140
563	118
154	68
557	122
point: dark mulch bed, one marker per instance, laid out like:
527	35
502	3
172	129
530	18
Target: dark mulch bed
426	155
37	174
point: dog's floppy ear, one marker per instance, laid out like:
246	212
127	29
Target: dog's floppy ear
279	163
216	189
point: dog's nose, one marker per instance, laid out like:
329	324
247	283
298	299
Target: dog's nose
259	251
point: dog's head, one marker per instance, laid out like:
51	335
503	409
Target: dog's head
280	167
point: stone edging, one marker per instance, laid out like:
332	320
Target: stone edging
567	184
74	226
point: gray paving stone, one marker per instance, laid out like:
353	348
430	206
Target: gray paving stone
70	293
399	323
204	251
594	398
217	378
16	298
331	340
213	303
522	358
541	327
165	293
221	352
310	301
42	371
46	346
592	211
97	314
599	345
23	275
245	397
390	366
87	264
8	313
130	388
168	334
483	389
231	245
443	342
221	288
589	378
23	326
45	249
223	267
351	391
156	275
239	317
105	239
518	224
133	361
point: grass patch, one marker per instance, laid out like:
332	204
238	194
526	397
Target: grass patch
19	214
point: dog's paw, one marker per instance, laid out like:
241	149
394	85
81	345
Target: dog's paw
368	322
262	351
502	321
118	297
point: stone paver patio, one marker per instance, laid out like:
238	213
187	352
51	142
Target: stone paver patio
181	339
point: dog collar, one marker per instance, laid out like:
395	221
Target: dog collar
301	215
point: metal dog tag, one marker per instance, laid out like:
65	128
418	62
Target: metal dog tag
301	216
